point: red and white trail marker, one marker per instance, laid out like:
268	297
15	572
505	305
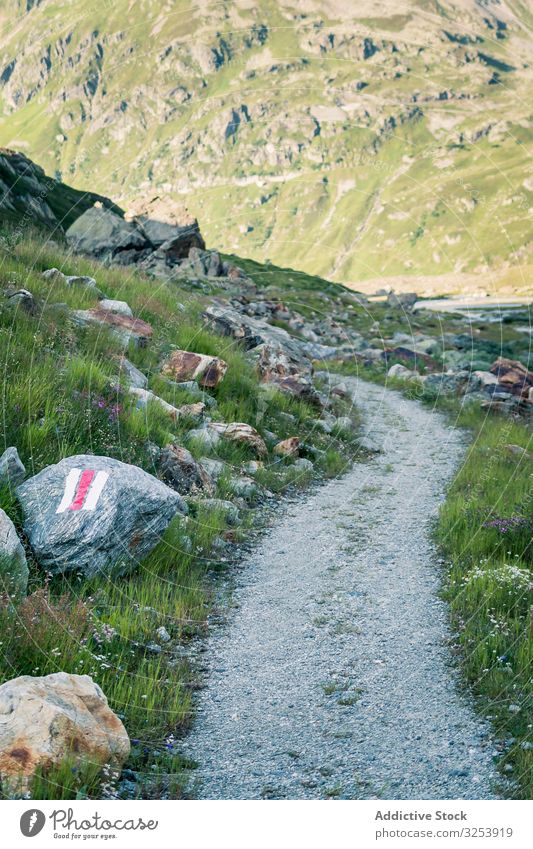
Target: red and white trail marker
83	488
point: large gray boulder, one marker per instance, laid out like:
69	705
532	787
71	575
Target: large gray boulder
95	514
13	566
12	471
101	233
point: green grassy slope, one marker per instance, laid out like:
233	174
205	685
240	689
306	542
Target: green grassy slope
330	138
62	395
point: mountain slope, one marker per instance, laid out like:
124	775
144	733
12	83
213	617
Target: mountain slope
356	141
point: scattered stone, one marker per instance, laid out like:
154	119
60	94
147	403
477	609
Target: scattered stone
13	565
518	451
56	275
12	470
123	326
206	436
513	375
288	447
214	468
253	466
22	298
133	375
95	515
45	720
185	365
162	634
402	300
401	372
145	397
229	510
180	470
242	433
344	423
303	464
244	487
116	307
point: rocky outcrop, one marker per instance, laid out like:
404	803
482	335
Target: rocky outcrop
44	721
95	515
186	365
13	565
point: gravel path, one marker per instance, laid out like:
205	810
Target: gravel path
332	677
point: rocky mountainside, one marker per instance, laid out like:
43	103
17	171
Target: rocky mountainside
353	140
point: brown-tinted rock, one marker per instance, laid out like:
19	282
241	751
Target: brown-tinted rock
186	365
123	326
513	375
45	720
288	447
242	433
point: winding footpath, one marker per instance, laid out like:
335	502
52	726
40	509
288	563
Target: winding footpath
332	677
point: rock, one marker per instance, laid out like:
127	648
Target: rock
303	464
244	487
228	510
180	470
408	354
179	246
44	721
203	263
486	379
288	447
368	444
401	372
518	451
253	467
299	387
214	468
205	436
22	298
162	220
95	514
134	377
162	634
320	424
116	307
145	397
185	365
123	326
344	423
56	275
13	565
242	433
103	234
513	375
450	382
12	470
402	300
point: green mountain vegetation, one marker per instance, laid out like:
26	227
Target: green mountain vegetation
356	141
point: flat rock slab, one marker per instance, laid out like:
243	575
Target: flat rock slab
95	514
332	676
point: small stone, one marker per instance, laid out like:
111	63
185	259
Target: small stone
12	471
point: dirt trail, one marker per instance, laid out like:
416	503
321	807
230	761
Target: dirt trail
332	677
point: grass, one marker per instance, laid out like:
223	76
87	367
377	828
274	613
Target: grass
489	586
62	394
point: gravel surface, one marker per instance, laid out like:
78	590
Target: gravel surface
332	677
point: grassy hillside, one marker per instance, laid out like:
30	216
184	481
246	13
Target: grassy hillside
349	141
62	395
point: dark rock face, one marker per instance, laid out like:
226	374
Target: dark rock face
13	566
95	514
